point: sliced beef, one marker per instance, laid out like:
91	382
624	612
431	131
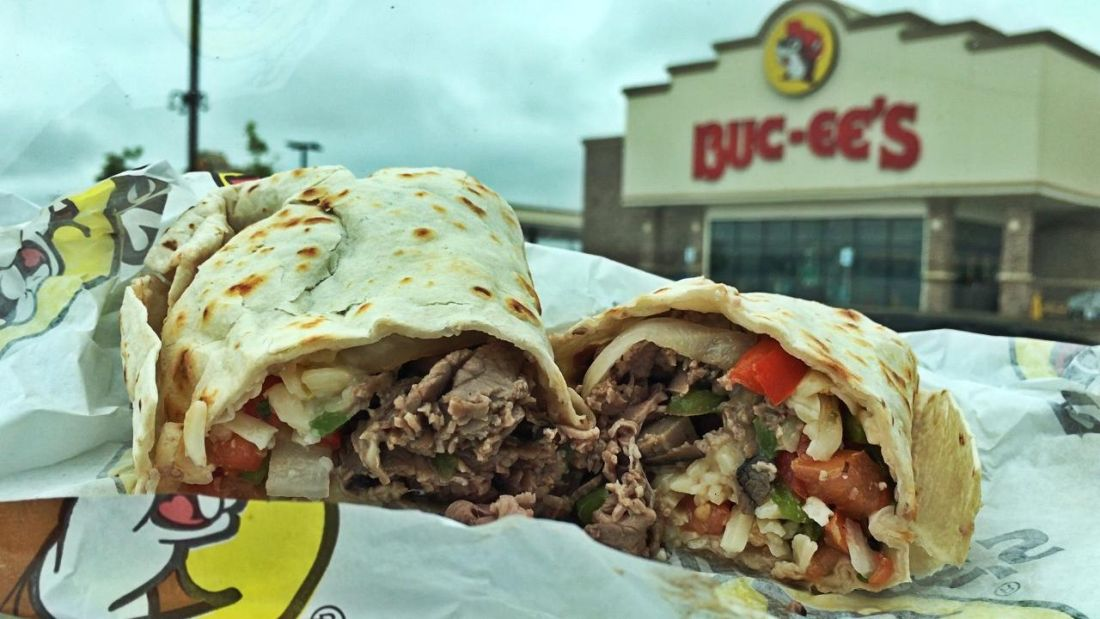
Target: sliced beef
626	519
668	439
471	513
690	373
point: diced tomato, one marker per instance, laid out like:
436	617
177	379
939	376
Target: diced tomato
769	370
783	460
834	534
708	518
332	441
823	563
850	482
235	454
884	569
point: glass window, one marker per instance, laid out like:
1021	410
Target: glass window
862	262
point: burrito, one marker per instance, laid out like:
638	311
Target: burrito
772	433
315	335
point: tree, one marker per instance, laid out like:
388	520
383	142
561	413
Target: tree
257	148
114	163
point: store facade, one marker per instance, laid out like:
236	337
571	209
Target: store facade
874	161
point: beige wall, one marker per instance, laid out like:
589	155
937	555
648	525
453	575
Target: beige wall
1007	120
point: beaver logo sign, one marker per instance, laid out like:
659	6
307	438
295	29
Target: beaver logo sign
800	52
177	556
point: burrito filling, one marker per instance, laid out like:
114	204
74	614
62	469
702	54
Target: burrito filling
750	453
465	428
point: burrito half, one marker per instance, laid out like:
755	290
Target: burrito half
771	432
377	338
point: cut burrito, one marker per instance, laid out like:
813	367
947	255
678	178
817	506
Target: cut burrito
378	338
777	434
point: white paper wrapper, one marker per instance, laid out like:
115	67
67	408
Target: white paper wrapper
1033	406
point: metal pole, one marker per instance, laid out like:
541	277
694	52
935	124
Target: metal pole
304	158
193	96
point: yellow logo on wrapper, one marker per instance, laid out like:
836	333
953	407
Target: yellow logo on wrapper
800	52
75	244
274	560
178	556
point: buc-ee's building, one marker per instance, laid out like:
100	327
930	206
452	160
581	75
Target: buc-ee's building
875	161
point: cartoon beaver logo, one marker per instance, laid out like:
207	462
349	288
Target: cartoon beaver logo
75	244
799	53
178	556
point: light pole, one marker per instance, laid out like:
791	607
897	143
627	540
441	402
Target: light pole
303	149
193	99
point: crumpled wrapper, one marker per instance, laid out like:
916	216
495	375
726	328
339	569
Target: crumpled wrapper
1033	406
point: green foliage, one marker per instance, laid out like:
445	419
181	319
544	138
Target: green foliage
114	163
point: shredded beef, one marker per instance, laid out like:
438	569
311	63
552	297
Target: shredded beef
465	407
471	513
755	476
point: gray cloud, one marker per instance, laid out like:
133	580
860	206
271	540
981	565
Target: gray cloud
504	91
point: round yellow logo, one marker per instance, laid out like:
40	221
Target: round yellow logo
799	53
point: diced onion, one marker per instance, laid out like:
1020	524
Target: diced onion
253	430
820	411
771	526
736	534
817	510
297	471
326	382
863	558
769	510
710	345
804	549
290	409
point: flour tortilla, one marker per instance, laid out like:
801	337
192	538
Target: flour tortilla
266	272
871	369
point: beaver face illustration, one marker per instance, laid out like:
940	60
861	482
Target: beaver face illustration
22	273
93	575
798	51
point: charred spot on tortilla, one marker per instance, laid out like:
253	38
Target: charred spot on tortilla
207	397
170	244
206	311
482	292
362	308
246	285
319	220
521	310
296	173
312	322
303	267
420	194
405	280
459	225
473	207
290	223
309	252
399	252
423	233
259	234
283	214
439	209
660	290
494	238
252	188
181	319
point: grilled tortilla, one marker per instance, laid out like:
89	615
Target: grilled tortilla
684	444
295	319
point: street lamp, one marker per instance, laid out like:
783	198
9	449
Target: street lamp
303	148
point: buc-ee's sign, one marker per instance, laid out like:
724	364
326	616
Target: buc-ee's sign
800	53
828	133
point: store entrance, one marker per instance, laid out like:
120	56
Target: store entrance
845	262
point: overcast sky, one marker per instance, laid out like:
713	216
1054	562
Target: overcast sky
505	90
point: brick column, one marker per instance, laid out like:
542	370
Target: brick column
938	277
1015	276
628	235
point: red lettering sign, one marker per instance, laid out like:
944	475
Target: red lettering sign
734	145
